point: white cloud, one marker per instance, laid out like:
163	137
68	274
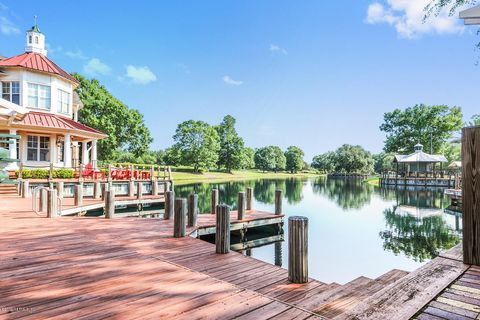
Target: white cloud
276	48
95	67
407	17
76	55
7	27
140	75
231	82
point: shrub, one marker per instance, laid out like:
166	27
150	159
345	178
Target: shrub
45	173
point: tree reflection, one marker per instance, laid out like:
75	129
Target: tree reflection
420	237
346	193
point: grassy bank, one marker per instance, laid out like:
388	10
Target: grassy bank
189	177
375	181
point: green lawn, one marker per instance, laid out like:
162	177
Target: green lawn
375	181
188	177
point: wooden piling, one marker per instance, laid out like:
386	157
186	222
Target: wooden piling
471	194
222	235
43	200
192	210
60	187
109	203
26	189
52	203
78	194
214	201
131	189
103	191
154	185
278	202
249	198
241	204
140	190
169	204
179	229
298	249
97	190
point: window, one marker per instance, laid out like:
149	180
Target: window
38	148
36	40
63	101
11	91
38	96
29	39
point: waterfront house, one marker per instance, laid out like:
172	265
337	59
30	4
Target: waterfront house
39	103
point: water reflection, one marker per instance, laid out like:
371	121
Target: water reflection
346	193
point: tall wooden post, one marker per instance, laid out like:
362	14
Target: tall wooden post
131	189
109	174
192	209
20	171
214	201
132	172
249	198
52	203
26	189
139	190
169	204
222	235
471	194
241	203
278	202
78	194
60	187
154	187
97	190
109	203
43	201
298	249
50	172
179	229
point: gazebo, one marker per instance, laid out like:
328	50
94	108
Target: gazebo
418	163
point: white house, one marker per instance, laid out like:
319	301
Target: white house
38	102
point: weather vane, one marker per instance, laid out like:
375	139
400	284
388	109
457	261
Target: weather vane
35	19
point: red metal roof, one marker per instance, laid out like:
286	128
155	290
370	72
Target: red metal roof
48	120
38	62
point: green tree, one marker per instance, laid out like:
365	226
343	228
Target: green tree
265	159
197	144
420	124
280	159
172	157
475	120
353	159
435	6
231	145
248	158
125	127
383	162
294	159
324	162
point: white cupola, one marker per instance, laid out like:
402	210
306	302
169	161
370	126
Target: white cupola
35	41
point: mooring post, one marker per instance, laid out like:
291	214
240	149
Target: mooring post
241	203
60	187
19	187
471	194
109	203
52	203
139	190
78	194
278	202
214	202
179	229
169	204
103	188
154	185
298	249
26	189
97	190
131	189
192	209
43	201
222	235
249	198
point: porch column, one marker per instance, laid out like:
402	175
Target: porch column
67	151
85	153
12	148
94	154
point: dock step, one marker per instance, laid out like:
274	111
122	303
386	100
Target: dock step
8	189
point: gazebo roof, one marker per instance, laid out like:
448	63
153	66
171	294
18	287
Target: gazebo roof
420	156
471	16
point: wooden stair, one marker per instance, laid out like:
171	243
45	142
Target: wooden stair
8	189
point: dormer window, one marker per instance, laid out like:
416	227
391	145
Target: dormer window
63	102
11	91
39	96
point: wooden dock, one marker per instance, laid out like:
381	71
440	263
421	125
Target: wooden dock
130	268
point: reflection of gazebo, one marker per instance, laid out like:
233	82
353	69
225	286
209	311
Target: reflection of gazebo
418	212
418	164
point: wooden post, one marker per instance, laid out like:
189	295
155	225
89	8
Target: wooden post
170	173
80	173
78	194
164	173
298	249
192	209
26	189
97	190
60	187
50	172
214	201
132	172
152	173
140	190
249	198
278	202
20	170
169	204
43	200
109	174
222	235
19	187
471	194
131	189
154	184
179	229
109	204
52	203
103	188
241	204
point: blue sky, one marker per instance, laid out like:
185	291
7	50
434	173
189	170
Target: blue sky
306	73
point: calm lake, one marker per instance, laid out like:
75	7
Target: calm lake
355	229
